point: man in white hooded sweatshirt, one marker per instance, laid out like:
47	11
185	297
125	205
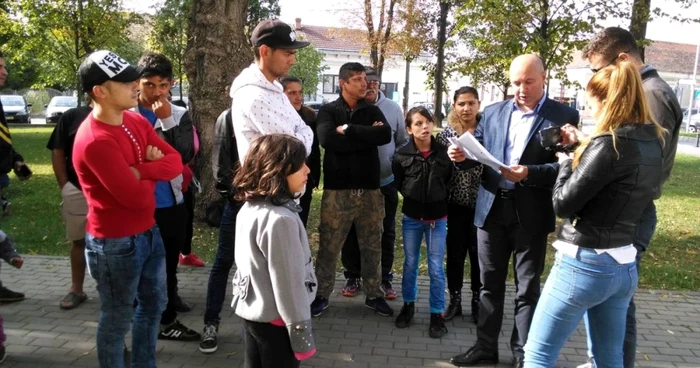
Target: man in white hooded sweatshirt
260	106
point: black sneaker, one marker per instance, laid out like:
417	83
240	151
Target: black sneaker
318	306
177	331
379	305
406	315
9	296
6	207
2	354
209	342
437	326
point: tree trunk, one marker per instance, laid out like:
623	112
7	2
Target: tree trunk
406	86
439	68
216	52
638	21
384	39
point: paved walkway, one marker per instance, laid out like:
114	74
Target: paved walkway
40	335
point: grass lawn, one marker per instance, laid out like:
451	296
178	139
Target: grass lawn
671	263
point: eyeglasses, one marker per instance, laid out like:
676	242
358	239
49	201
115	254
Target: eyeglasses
373	82
596	70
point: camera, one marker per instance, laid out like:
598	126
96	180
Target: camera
550	139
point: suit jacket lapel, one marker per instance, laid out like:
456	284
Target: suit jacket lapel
539	119
503	124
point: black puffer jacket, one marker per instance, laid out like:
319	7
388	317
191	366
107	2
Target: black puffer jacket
423	181
603	198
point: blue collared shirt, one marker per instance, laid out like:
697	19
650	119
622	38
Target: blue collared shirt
518	130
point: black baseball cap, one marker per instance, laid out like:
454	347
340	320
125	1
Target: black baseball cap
276	34
371	74
102	66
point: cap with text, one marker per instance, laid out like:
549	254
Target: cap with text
102	66
276	34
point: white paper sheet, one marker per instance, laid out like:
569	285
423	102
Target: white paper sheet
476	152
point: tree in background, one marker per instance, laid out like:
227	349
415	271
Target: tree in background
413	28
61	33
217	51
169	34
259	10
378	35
308	67
22	64
642	13
554	29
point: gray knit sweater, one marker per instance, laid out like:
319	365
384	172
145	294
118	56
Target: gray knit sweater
275	277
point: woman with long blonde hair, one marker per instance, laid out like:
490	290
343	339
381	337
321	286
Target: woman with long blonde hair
601	191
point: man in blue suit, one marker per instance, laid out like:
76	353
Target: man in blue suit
514	211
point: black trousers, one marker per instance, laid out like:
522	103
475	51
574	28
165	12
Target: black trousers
267	346
189	228
351	256
171	221
461	240
501	237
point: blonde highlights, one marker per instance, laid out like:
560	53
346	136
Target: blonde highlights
619	89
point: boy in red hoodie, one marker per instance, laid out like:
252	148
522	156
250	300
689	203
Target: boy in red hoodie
118	158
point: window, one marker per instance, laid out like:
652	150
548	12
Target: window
330	84
388	89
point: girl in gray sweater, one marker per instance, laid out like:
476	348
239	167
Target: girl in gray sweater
275	282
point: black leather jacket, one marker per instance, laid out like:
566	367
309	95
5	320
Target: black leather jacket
423	181
603	198
224	156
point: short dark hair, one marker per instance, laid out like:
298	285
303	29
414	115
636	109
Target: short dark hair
289	79
155	65
256	52
610	42
465	90
348	70
263	175
418	110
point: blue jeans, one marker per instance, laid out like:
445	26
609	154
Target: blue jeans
642	237
218	277
4	181
435	235
125	269
591	286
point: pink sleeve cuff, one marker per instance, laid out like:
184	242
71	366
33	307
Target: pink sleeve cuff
304	356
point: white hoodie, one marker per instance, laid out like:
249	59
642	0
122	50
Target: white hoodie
260	108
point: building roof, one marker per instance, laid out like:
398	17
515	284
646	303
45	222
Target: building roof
336	39
664	56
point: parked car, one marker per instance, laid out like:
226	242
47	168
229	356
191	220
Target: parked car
16	109
59	105
315	104
694	126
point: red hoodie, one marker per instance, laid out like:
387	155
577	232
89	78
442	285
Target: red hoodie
119	205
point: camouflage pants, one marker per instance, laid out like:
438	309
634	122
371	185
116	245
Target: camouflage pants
340	209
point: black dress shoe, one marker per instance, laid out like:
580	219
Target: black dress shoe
518	362
474	356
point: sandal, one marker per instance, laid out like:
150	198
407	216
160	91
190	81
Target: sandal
72	300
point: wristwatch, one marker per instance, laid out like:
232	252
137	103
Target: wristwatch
345	127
